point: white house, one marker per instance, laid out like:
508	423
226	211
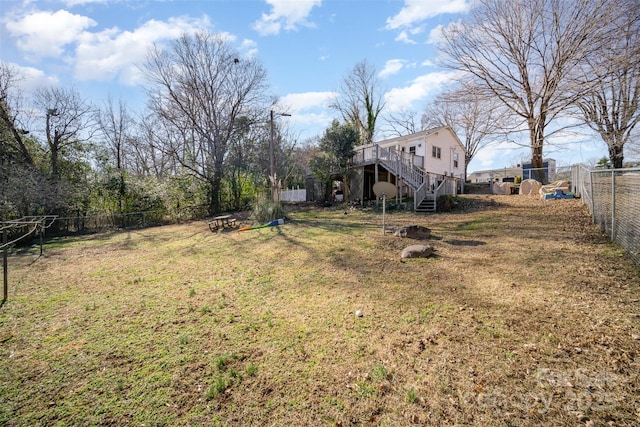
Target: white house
524	170
490	175
423	165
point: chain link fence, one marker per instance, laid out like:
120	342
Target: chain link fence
613	197
132	220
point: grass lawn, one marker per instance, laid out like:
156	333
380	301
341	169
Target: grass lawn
527	316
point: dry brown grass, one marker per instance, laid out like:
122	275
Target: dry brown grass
527	316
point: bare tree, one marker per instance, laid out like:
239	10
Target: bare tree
69	119
360	100
200	88
475	119
150	155
612	106
23	188
115	126
13	135
403	122
524	52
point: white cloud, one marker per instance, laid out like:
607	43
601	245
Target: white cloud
309	111
415	11
107	54
285	14
29	78
495	156
114	53
392	66
299	102
71	3
311	124
403	37
484	158
419	89
46	34
266	27
249	48
435	35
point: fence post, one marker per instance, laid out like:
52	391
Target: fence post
41	232
613	205
593	198
5	266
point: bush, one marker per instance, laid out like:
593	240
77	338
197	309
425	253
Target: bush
445	203
266	210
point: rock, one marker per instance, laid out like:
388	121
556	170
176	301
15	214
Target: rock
413	232
417	251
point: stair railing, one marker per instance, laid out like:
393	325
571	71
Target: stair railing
401	164
441	189
419	195
397	162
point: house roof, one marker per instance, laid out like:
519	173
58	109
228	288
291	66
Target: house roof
419	135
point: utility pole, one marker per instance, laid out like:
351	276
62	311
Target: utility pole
272	161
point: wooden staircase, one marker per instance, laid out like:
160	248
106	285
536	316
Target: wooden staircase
401	164
428	204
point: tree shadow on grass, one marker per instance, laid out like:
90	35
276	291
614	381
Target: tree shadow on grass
457	242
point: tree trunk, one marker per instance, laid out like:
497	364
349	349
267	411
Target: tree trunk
616	156
538	165
17	135
346	181
122	190
537	142
214	196
54	163
215	183
467	159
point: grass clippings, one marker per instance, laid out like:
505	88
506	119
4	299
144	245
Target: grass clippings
526	316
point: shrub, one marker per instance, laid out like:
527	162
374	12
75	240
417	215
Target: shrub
445	203
266	210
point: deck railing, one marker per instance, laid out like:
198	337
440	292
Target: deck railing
409	168
406	165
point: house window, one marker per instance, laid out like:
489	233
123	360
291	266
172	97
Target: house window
455	160
436	152
412	150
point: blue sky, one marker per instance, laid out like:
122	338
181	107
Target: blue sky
307	47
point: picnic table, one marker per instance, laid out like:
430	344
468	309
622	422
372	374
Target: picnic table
222	221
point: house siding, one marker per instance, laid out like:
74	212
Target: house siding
443	138
410	155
